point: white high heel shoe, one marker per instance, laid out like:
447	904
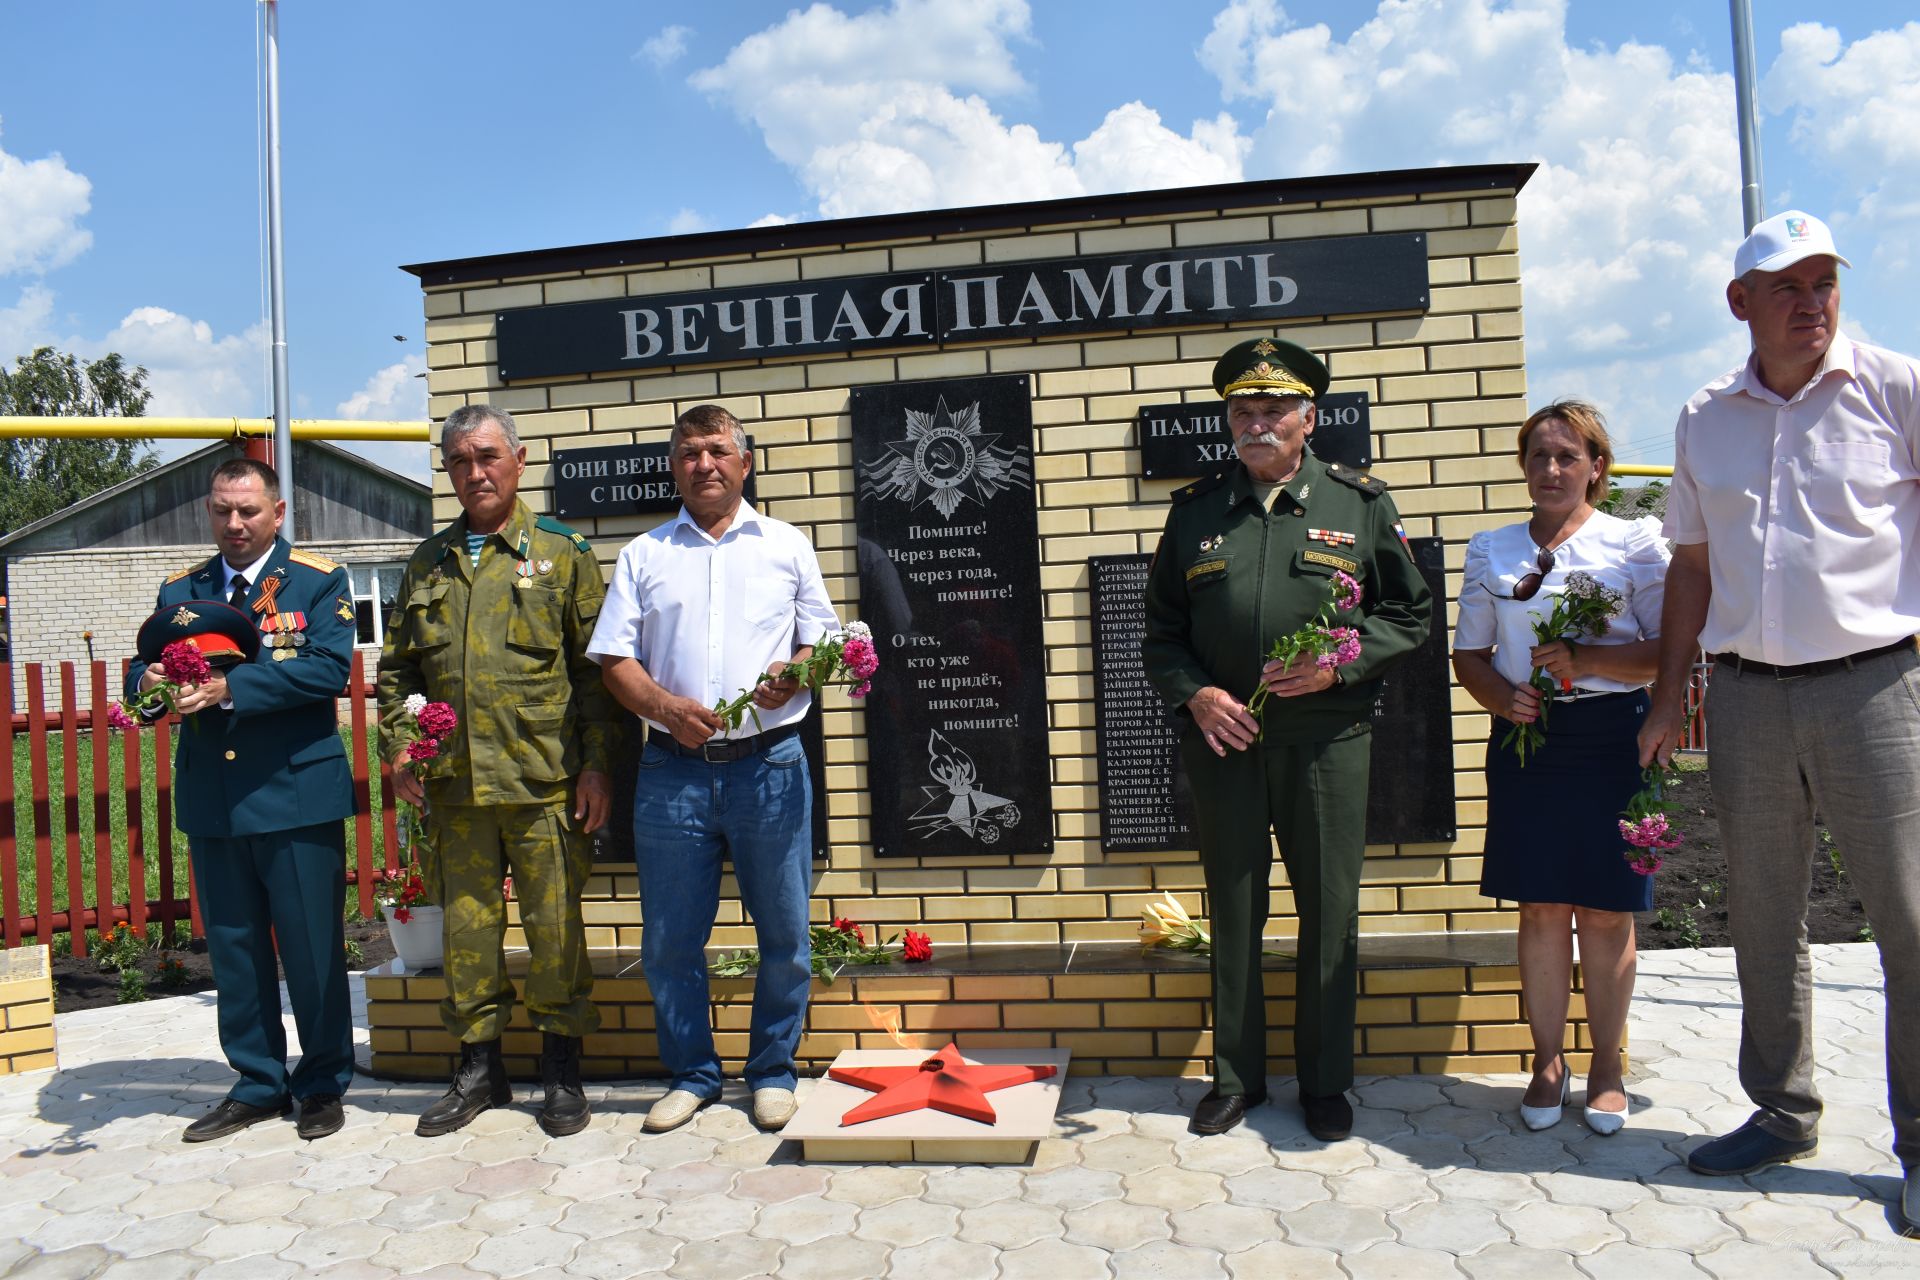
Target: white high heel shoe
1538	1118
1606	1123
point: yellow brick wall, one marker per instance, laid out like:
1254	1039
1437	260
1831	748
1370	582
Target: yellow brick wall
1448	394
26	1010
1436	1019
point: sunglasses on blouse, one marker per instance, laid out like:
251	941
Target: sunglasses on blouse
1529	586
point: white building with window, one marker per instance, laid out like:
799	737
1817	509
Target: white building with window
79	583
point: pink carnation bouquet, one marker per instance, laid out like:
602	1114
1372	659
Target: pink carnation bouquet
432	723
1645	827
1329	646
846	657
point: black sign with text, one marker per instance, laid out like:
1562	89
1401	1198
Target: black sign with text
949	559
618	480
1211	284
1146	803
1179	441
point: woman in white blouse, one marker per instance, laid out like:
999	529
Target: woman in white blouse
1553	840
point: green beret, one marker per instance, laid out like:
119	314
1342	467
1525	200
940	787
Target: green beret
1270	367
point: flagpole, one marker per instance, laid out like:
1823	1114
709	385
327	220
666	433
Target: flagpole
1752	204
276	277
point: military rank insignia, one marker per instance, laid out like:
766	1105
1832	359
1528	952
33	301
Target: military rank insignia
1332	537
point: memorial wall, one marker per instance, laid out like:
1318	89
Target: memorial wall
978	416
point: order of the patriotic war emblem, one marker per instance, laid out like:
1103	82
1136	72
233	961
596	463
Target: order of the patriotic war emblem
945	459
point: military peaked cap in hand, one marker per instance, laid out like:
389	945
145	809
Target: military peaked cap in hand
1270	367
223	634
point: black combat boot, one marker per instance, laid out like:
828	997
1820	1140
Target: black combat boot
565	1110
480	1082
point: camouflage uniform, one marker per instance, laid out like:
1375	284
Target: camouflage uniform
511	660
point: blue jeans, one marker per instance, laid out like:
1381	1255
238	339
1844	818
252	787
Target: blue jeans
686	814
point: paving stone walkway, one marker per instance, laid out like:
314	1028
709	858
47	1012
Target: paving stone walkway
1440	1179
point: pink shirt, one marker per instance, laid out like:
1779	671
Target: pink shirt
1809	506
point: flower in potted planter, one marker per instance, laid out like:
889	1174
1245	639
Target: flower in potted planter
414	921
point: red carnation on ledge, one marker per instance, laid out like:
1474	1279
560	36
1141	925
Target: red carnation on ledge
916	948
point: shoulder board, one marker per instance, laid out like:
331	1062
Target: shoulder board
1205	484
554	526
311	560
186	572
1357	479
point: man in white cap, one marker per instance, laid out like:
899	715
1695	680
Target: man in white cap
1795	505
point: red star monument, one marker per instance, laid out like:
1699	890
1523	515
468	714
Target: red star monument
944	1082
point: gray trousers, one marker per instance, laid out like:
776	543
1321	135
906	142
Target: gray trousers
1846	743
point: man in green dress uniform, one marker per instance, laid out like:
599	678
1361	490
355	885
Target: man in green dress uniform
493	617
260	786
1247	557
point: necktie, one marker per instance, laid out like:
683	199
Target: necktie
239	597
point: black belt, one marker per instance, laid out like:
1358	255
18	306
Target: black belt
1825	666
723	750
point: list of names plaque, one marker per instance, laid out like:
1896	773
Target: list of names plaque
949	563
1145	804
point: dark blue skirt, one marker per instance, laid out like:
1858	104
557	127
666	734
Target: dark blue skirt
1553	828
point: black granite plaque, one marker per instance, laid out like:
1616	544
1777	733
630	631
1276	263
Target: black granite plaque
619	480
1145	803
1410	795
614	842
949	559
1178	441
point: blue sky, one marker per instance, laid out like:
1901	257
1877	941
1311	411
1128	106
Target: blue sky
130	215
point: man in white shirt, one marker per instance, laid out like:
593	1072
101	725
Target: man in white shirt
1795	502
698	610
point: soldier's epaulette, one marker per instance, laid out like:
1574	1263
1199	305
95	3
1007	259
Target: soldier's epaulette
311	560
554	526
1205	484
1356	479
186	572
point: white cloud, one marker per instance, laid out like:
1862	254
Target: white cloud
665	47
892	110
1855	113
772	220
397	393
686	221
41	204
1626	230
23	326
192	373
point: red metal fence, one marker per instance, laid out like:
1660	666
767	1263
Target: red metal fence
91	854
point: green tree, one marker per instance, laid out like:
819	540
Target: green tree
39	476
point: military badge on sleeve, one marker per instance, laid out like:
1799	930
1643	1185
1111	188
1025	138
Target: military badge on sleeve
345	611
